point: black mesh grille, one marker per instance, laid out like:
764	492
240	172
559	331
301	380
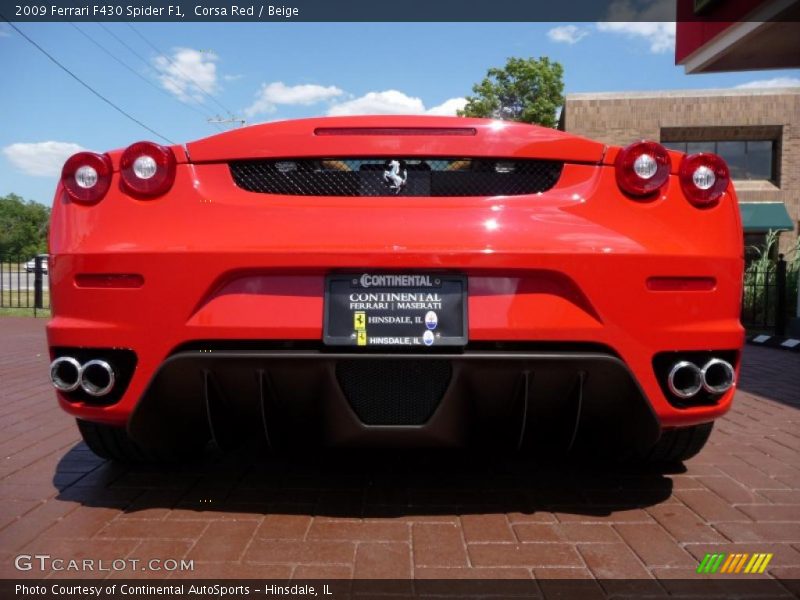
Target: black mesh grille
400	177
393	392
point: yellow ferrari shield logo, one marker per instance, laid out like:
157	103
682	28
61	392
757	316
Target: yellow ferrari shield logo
361	338
360	321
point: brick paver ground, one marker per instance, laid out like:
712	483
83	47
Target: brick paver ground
399	515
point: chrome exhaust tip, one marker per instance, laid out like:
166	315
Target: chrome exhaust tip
97	378
718	376
65	373
685	379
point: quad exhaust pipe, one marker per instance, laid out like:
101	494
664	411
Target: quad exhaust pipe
718	376
686	379
65	373
96	377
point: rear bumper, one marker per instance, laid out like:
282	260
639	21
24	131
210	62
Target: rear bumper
180	303
562	402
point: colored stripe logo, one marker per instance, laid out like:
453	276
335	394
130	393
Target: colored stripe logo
734	563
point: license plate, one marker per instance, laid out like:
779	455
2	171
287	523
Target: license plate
395	310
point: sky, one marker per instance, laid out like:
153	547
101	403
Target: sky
173	77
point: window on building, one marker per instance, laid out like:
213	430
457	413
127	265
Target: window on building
751	159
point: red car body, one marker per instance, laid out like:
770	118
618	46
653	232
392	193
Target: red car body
234	281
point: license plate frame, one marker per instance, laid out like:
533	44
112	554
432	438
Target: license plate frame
395	308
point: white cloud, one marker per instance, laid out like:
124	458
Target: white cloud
660	35
188	74
42	159
393	102
277	92
649	21
777	82
390	102
567	34
448	108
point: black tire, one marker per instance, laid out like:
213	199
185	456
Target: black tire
677	445
115	444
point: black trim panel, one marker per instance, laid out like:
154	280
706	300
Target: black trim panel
557	401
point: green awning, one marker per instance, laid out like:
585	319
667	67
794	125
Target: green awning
763	216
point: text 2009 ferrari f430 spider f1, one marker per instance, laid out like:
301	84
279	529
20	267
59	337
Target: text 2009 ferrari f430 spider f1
396	281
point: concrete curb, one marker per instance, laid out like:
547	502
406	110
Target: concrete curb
775	341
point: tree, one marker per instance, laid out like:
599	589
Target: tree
526	89
23	227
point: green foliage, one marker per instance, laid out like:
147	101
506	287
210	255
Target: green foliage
526	89
763	262
760	276
23	227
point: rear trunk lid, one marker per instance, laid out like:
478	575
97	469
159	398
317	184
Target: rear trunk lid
395	136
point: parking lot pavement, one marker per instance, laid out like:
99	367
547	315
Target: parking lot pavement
398	515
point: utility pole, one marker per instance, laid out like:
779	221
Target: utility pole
232	119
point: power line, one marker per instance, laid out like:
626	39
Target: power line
86	85
135	72
147	64
178	69
121	41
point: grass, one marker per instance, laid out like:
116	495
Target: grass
9	298
12	267
40	313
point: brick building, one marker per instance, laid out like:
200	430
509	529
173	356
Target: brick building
756	131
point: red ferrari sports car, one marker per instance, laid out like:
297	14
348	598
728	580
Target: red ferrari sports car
395	281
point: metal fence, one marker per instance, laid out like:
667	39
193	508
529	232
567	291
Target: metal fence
769	296
24	283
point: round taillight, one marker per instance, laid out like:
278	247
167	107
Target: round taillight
642	168
147	169
86	176
704	178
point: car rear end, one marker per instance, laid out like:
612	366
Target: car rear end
578	304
